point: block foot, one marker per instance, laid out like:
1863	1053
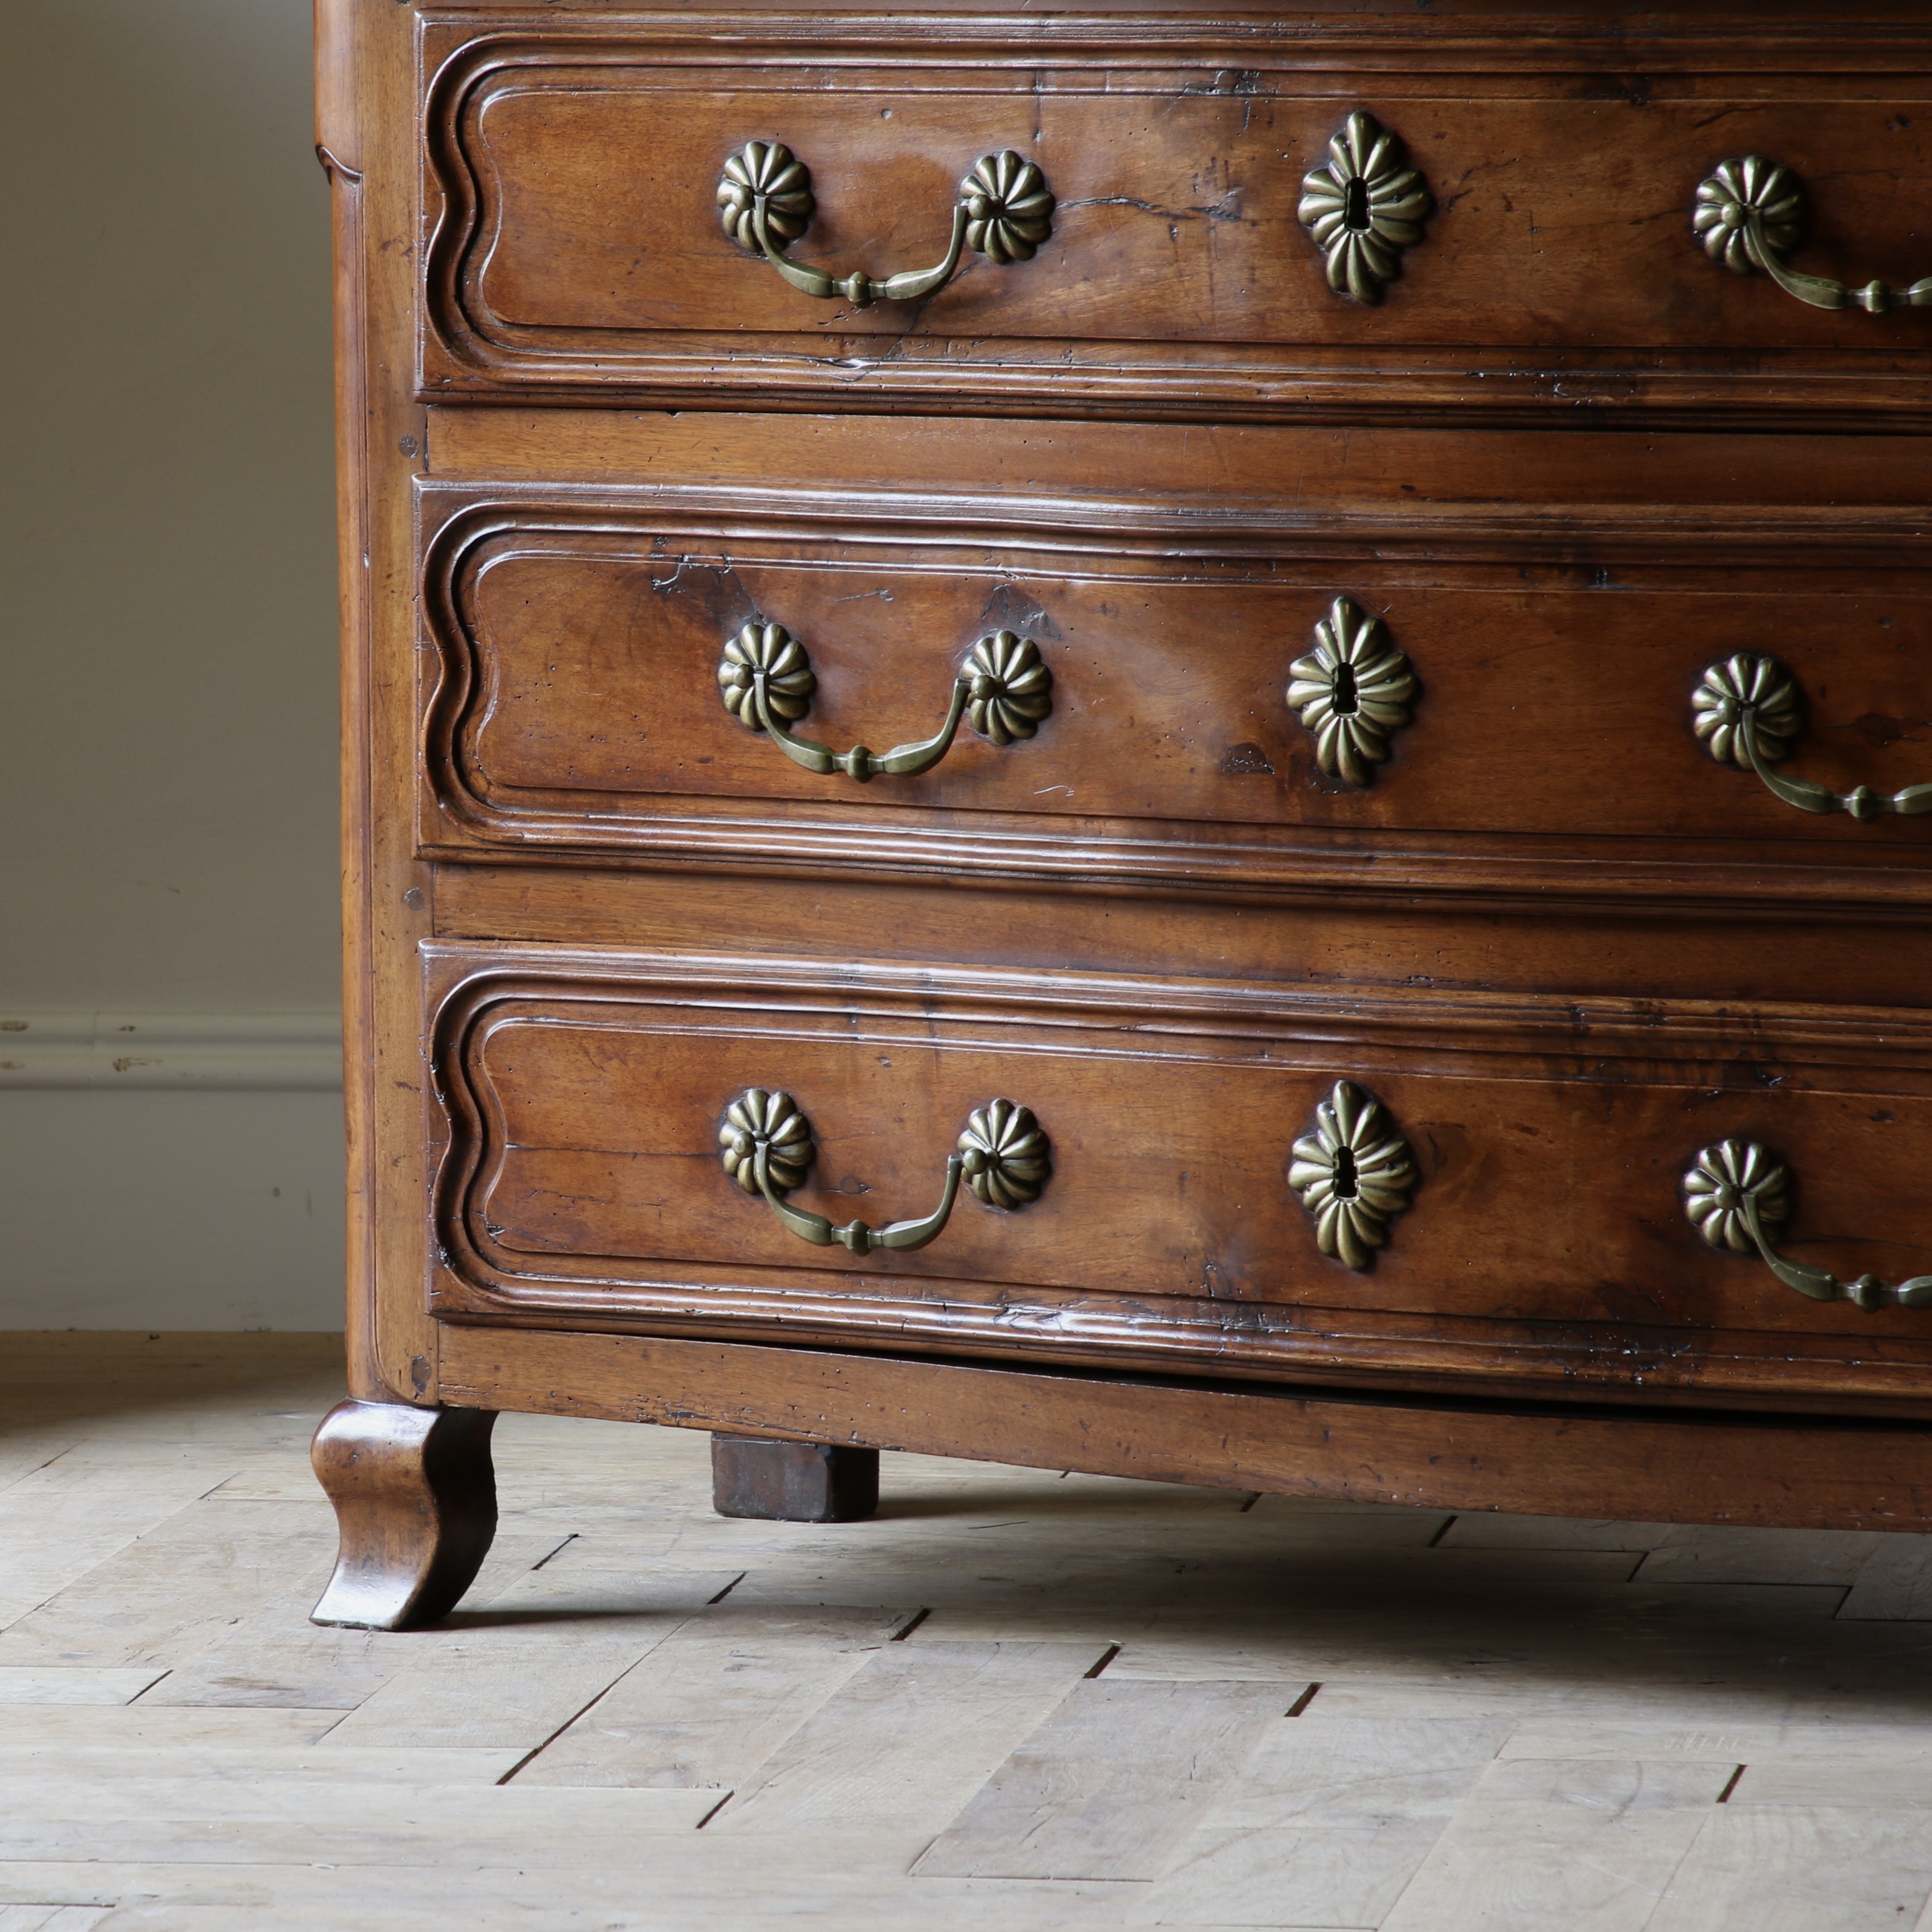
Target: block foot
792	1482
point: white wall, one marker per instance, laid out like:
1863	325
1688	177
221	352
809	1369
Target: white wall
167	775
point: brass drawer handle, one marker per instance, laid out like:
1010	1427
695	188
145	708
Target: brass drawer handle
1748	710
768	1149
1750	212
1738	1197
1004	691
1004	212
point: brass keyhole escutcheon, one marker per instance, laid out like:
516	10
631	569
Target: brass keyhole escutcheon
1365	207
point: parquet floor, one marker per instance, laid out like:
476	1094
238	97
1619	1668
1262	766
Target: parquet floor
1016	1699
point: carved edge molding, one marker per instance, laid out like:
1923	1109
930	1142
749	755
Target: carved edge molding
1558	42
470	987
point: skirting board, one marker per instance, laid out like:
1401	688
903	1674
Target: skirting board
287	1053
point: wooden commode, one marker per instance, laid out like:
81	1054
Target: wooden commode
1176	741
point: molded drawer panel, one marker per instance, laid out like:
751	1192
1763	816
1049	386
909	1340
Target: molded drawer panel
1515	1166
577	239
1261	721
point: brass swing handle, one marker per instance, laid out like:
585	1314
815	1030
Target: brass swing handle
768	1148
765	678
1749	213
1004	212
1737	1197
1748	710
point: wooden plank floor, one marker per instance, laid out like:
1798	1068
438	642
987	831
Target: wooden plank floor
1015	1700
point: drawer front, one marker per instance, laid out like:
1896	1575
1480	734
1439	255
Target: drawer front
1268	720
1434	1191
1205	243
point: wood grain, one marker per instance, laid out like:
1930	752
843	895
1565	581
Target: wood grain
792	1482
1609	1838
1092	1794
125	1610
1566	458
1697	496
62	1525
909	1738
1825	1870
364	56
27	1684
1329	1822
482	1691
416	1502
271	1656
1562	1678
711	1702
1663	953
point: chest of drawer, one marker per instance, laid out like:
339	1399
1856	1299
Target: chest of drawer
1191	217
1186	742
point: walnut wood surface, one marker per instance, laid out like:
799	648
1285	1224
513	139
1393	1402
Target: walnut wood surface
1592	495
365	128
415	1501
578	244
1656	1467
1326	938
793	1482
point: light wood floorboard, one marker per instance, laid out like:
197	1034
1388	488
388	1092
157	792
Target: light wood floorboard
1016	1699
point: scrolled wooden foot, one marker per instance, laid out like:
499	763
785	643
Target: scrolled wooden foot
415	1494
792	1482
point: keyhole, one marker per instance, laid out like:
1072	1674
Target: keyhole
1355	204
1345	1189
1342	692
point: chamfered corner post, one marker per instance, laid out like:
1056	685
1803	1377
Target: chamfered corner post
793	1482
414	1493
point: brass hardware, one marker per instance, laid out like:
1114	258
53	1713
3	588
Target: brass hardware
1012	691
1006	1156
1749	711
1004	212
767	1130
765	669
1364	208
1353	1173
1003	690
1352	692
1737	1197
768	1148
1750	214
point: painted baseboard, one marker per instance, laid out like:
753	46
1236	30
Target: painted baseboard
284	1053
